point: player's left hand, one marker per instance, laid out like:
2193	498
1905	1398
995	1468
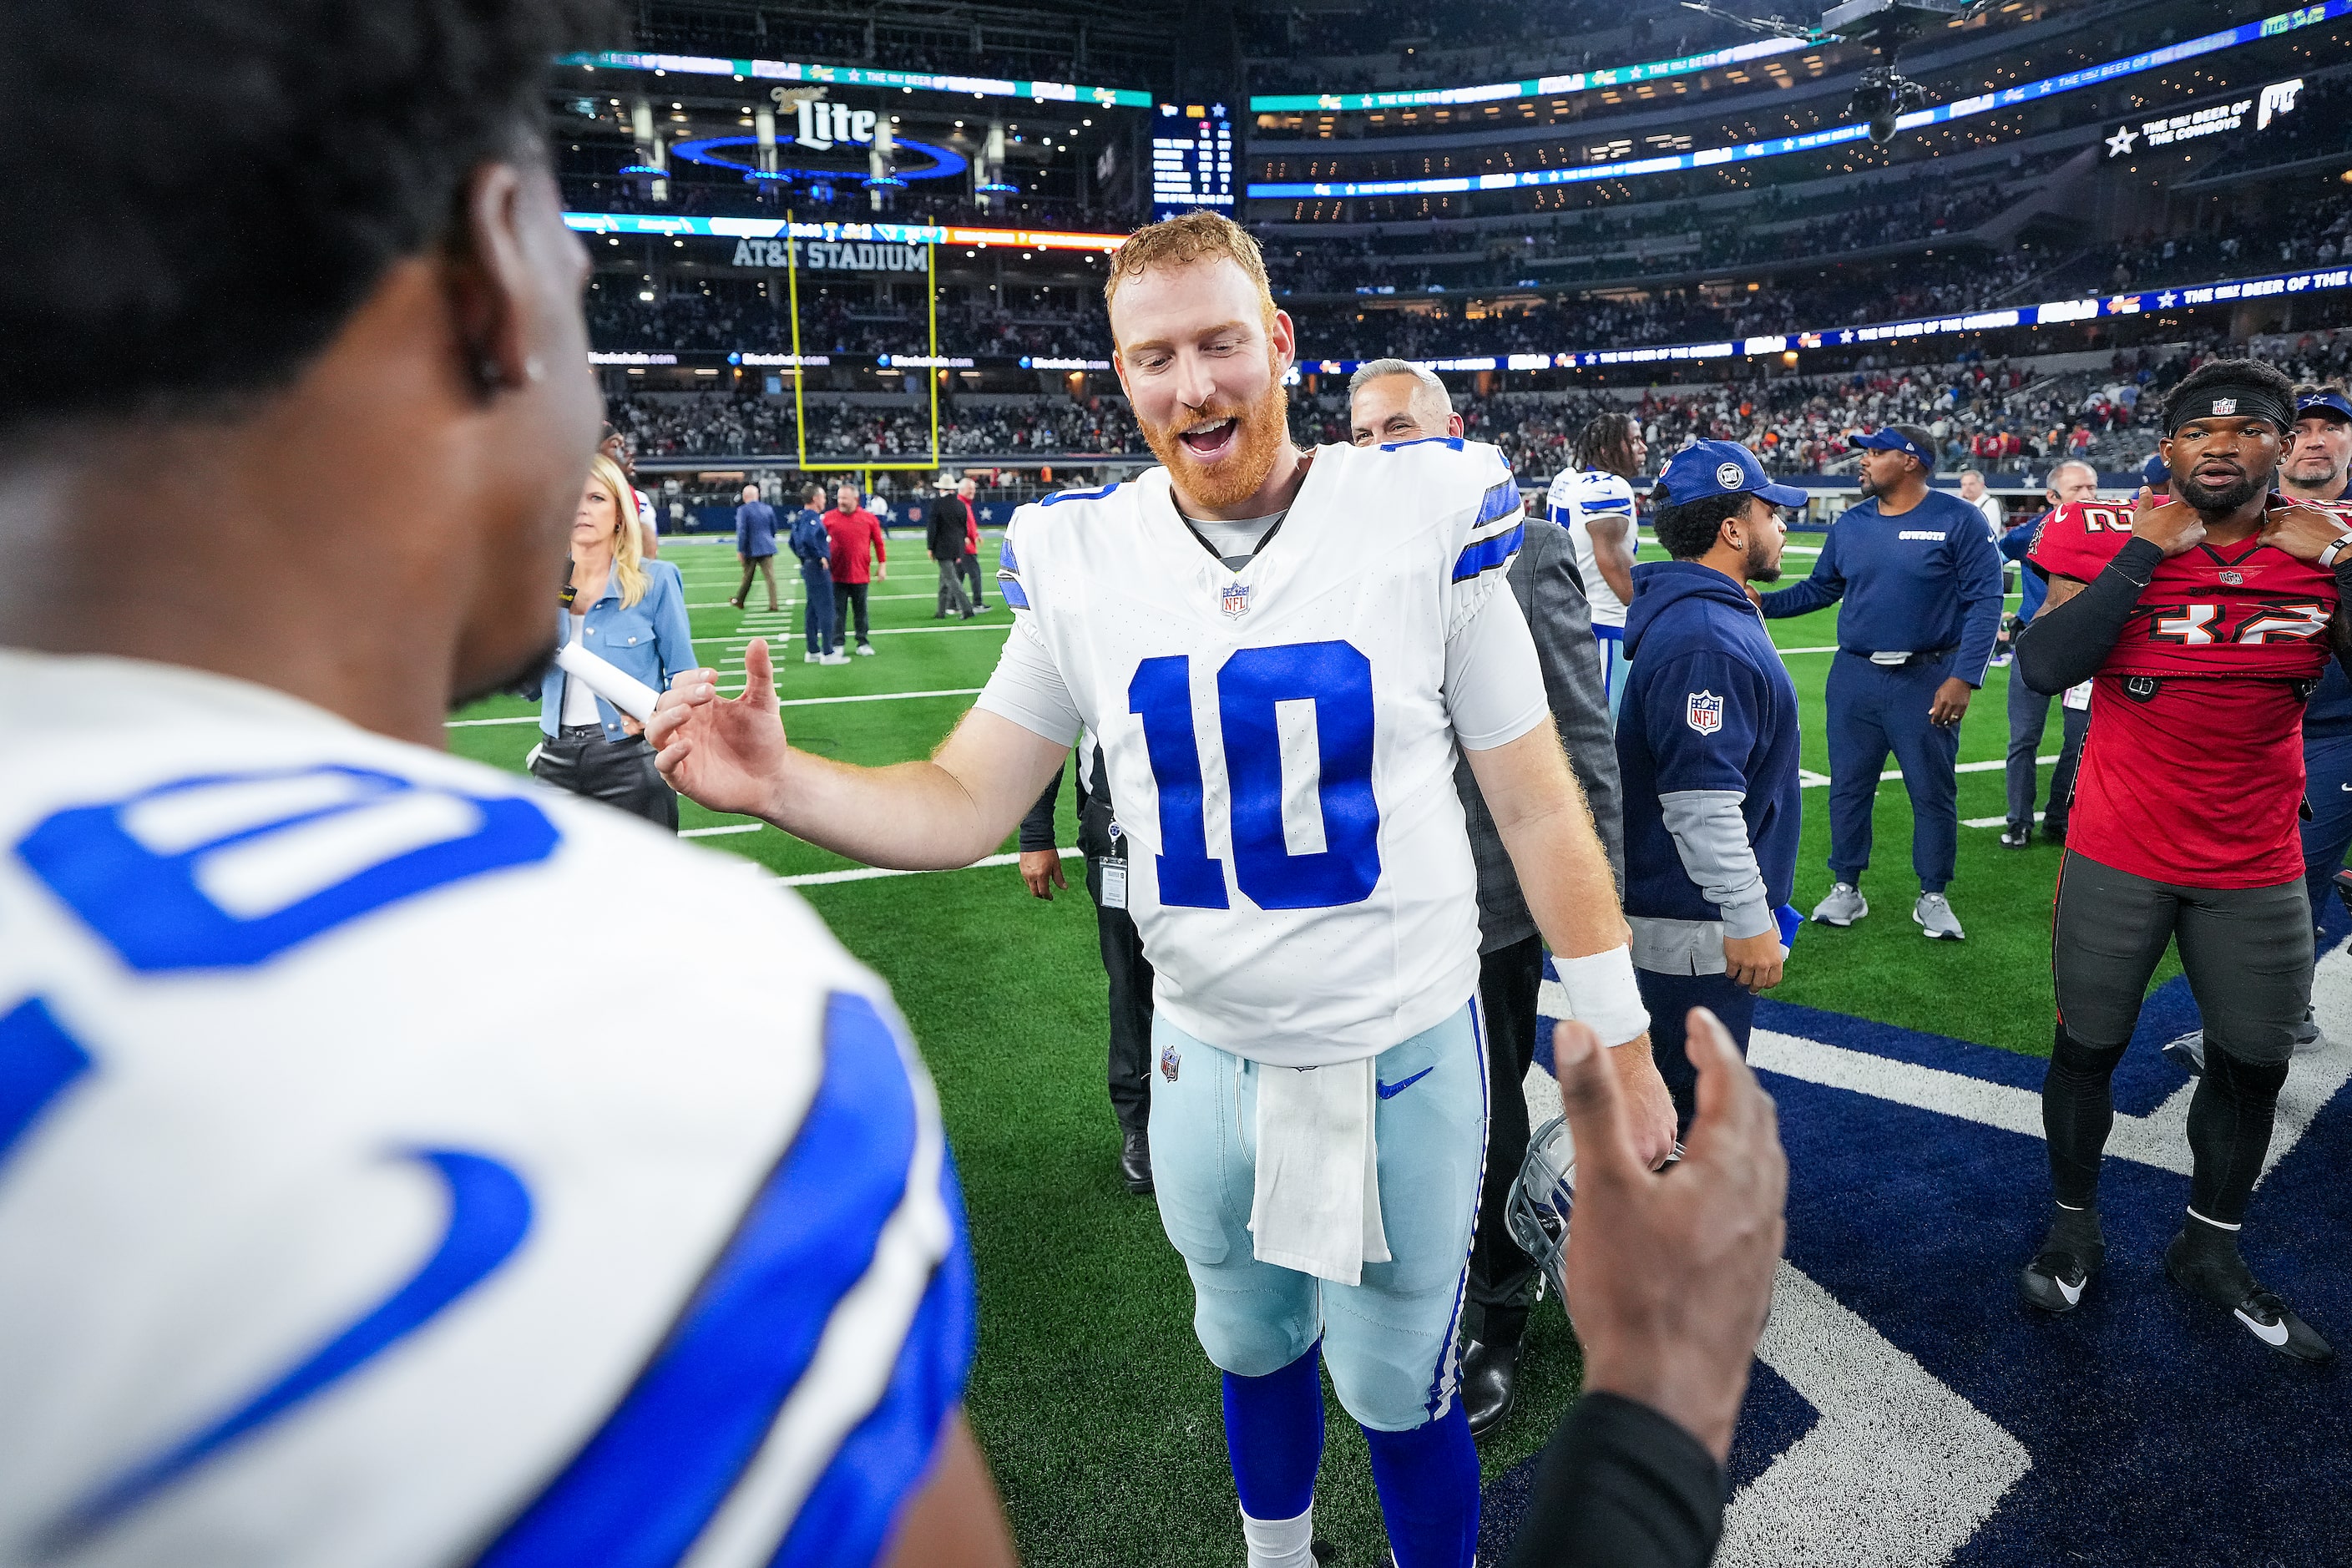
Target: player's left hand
1649	1109
1951	702
1042	870
2303	532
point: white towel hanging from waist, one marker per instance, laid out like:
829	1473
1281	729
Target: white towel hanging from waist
1317	1203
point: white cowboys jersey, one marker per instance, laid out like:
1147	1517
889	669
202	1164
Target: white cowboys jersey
1280	740
1576	496
361	1200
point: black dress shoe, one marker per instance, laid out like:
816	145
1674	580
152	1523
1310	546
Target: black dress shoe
1490	1383
1135	1162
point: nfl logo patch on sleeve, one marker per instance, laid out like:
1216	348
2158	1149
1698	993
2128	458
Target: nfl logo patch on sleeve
1704	712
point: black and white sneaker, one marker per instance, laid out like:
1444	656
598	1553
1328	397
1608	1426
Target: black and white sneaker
2226	1281
2072	1251
2187	1052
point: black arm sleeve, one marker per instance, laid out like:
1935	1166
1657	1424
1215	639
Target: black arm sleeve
1038	827
2065	647
1619	1486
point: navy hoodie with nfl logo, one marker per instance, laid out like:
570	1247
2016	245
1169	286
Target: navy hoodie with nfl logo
1709	712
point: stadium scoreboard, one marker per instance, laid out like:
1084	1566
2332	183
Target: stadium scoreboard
1191	160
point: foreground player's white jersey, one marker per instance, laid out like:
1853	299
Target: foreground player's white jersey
1582	493
1279	744
384	1183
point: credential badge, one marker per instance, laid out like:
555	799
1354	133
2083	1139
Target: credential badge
1169	1061
1704	712
1235	600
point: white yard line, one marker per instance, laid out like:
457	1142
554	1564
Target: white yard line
1808	779
787	702
715	832
871	873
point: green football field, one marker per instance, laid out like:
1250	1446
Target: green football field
1093	1401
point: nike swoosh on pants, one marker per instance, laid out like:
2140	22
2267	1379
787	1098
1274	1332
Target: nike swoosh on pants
1390	1090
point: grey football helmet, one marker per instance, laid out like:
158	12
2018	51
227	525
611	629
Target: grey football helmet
1537	1211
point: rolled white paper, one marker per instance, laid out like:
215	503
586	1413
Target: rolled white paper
608	681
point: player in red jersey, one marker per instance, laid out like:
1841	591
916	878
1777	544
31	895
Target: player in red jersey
2206	621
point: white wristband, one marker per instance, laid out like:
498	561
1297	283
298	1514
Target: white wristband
2335	548
1602	993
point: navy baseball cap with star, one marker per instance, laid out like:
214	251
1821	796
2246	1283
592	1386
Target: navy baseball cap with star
1707	469
2327	401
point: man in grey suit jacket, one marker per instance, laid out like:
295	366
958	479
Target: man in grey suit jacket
1391	400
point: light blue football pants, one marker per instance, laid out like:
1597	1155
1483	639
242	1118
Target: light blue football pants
1388	1341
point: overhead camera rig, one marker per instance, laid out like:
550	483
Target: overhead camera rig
1883	95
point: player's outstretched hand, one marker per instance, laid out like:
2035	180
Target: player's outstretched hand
1042	870
1670	1273
2173	527
2303	532
725	752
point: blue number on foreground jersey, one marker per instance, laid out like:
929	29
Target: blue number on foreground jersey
38	1061
230	870
1337	679
489	1212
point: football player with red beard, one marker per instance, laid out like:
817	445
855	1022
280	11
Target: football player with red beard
2205	620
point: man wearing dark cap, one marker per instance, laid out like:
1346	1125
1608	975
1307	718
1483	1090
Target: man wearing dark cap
2028	710
1921	584
2203	621
1706	745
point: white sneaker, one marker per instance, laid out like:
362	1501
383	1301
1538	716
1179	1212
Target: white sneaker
834	657
811	659
1935	919
865	651
1844	906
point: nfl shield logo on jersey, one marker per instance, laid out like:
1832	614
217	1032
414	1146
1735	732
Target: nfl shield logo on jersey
1704	712
1235	602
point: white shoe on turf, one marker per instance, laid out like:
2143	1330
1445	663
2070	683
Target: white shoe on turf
865	651
1844	906
1935	919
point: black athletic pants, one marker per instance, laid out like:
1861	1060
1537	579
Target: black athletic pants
1126	973
2247	955
1502	1276
618	772
848	596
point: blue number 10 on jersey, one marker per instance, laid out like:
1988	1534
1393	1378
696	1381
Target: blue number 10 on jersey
1337	679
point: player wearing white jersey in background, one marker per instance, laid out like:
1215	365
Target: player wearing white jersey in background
1279	653
1594	502
372	1193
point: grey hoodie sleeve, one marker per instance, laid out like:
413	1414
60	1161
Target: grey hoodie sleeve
1711	837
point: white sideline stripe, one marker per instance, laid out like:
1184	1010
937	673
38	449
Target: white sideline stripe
1984	822
715	832
871	873
1900	1470
1787	651
1808	779
2160	1139
787	702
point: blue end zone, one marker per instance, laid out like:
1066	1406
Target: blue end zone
2159	1432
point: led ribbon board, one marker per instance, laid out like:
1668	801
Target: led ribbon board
1942	113
2055	314
1534	87
851	75
677	226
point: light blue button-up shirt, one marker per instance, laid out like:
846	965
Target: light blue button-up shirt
650	639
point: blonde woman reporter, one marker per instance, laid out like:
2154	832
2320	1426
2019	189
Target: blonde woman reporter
632	612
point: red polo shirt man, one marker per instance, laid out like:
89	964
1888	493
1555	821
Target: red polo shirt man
859	554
